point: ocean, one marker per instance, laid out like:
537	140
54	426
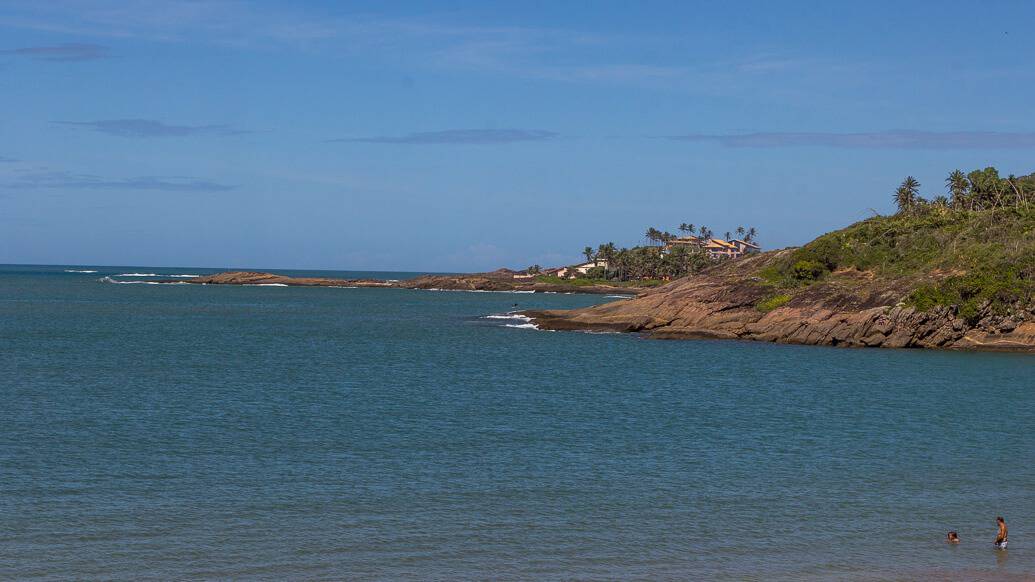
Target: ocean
159	432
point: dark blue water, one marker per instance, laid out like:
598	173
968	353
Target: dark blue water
169	432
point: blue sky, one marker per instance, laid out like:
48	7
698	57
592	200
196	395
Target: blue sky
453	136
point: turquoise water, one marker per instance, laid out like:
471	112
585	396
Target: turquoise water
169	432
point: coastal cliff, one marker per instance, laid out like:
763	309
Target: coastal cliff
946	280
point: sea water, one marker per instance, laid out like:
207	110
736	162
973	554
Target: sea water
211	432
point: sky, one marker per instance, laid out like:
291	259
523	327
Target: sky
466	136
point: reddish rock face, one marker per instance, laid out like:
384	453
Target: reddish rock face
852	309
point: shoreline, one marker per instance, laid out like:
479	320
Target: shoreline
724	303
484	282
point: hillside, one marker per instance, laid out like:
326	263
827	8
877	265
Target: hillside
930	277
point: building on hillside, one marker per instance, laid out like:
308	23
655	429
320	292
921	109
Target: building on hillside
745	247
585	267
572	271
715	248
720	249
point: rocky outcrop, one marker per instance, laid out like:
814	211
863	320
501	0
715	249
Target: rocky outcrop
495	281
850	310
256	278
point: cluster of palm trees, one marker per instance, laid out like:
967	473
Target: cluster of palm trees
644	262
660	237
978	190
647	262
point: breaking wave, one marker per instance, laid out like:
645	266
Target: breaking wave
509	316
79	271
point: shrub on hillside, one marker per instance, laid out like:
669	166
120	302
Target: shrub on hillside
808	270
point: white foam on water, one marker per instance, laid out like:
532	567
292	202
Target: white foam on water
267	285
110	280
185	276
620	296
522	325
79	271
509	316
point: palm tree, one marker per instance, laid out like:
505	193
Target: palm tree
706	233
622	261
913	186
740	231
907	196
751	234
588	253
728	237
959	187
903	200
606	252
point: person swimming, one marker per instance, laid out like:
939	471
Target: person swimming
1000	538
952	537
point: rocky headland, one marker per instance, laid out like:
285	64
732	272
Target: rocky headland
947	280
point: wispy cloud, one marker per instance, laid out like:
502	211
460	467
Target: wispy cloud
61	53
549	53
52	179
896	139
151	128
6	160
238	23
459	136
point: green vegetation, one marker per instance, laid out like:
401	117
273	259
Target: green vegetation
808	270
972	248
657	259
969	293
770	303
